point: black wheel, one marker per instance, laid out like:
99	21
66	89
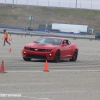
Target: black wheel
74	58
57	56
27	59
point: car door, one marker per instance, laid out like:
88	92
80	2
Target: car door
68	48
65	49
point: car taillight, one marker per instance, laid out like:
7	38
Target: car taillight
49	50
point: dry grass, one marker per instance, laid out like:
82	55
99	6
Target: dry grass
17	16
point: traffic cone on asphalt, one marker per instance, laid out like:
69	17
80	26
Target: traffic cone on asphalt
2	67
10	50
46	67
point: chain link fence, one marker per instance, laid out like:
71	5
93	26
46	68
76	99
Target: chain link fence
82	4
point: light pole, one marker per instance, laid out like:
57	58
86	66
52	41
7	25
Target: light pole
91	4
37	2
48	3
80	3
27	2
59	3
16	1
70	4
76	3
13	1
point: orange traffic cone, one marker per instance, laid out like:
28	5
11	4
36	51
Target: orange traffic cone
10	50
2	67
46	67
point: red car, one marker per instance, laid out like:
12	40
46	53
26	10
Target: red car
50	48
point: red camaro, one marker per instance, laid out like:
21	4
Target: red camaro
50	48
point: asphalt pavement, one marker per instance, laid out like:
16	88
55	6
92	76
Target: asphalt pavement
64	81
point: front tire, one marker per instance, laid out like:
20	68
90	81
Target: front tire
27	59
57	56
74	58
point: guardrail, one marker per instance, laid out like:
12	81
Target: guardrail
28	33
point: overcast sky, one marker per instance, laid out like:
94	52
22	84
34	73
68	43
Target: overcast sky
90	4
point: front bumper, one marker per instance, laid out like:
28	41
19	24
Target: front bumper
38	55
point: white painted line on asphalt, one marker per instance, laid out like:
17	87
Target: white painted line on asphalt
36	98
10	95
20	96
77	70
27	71
59	92
22	84
23	71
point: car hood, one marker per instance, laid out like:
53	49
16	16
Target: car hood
38	45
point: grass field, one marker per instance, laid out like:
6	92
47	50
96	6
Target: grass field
17	16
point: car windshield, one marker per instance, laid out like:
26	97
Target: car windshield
53	41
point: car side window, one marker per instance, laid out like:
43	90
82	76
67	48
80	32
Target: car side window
67	42
64	41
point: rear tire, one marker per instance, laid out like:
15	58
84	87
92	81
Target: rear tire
57	56
74	58
27	59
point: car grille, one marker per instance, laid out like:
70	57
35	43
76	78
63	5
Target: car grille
38	50
36	56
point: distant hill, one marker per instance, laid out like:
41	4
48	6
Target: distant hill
17	16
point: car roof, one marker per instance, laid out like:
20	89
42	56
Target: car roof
55	37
